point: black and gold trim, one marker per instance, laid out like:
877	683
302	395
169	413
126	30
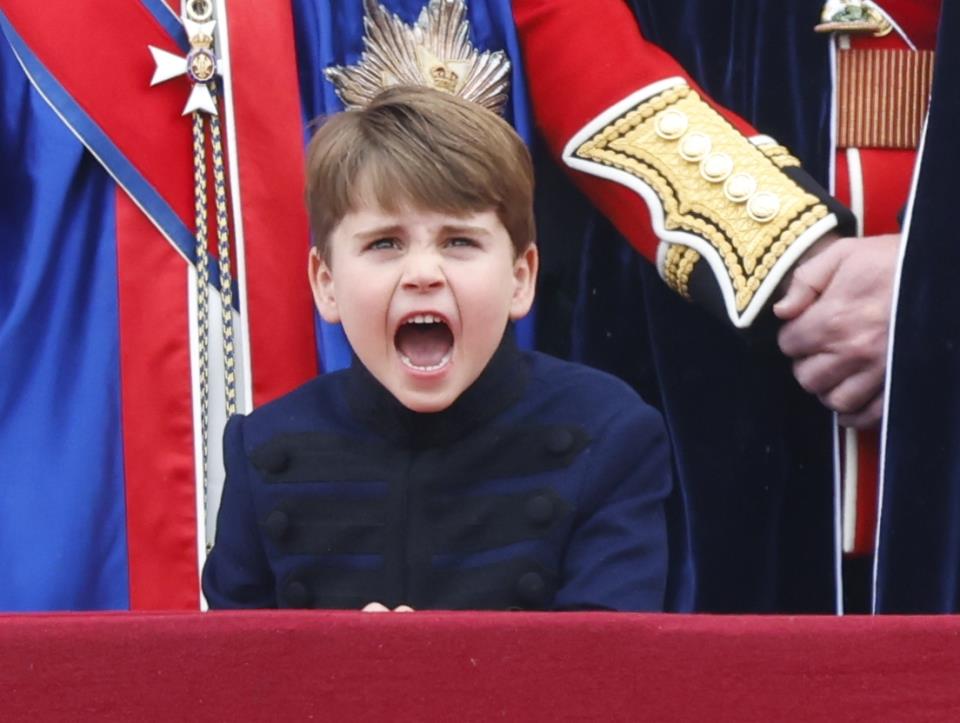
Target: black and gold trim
741	204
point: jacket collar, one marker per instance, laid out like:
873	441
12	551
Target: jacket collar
499	385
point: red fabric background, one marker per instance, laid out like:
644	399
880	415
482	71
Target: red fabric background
271	166
475	666
157	416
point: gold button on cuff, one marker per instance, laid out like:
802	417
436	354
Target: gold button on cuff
671	124
716	167
695	146
739	187
763	206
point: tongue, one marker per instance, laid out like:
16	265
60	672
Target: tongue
424	344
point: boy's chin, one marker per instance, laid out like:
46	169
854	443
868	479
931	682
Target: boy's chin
430	393
426	402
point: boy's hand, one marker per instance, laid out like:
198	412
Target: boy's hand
376	607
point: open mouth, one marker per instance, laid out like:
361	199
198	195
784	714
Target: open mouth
424	342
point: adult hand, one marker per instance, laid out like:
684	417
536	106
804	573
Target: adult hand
837	313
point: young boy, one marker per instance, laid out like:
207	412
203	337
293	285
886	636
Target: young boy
445	469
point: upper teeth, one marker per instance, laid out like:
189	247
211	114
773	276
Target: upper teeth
424	319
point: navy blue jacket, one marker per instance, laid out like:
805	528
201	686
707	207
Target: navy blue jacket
542	487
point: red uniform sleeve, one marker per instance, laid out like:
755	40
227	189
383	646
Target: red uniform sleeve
582	58
721	210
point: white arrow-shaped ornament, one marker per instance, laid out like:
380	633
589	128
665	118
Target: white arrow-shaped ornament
168	65
200	66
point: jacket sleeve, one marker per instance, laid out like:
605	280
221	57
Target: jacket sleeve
617	557
237	573
723	211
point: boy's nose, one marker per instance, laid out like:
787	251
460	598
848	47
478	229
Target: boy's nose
422	272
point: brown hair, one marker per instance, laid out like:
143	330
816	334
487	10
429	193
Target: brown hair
423	148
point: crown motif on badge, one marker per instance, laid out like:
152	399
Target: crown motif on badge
435	52
444	79
201	40
853	16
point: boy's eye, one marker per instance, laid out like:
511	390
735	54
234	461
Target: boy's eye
383	243
461	242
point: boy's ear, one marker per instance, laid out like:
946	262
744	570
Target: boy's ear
321	281
525	282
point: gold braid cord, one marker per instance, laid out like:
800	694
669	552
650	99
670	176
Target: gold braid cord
223	254
203	282
712	182
200	66
200	171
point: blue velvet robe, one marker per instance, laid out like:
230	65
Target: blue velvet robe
754	453
918	562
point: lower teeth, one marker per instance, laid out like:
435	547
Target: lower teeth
439	365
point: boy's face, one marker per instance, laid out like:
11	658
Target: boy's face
423	296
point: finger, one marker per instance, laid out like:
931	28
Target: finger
820	373
854	393
818	270
403	609
375	607
828	321
810	278
798	297
809	333
867	418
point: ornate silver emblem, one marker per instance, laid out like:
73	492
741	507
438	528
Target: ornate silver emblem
853	16
435	51
200	64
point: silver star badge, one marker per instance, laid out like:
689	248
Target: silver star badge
436	52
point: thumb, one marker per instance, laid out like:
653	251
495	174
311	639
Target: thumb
808	281
798	297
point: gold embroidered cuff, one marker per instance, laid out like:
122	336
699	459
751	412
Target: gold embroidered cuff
713	193
678	265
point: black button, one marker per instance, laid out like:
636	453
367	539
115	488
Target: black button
276	524
539	509
559	441
296	594
531	588
273	461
